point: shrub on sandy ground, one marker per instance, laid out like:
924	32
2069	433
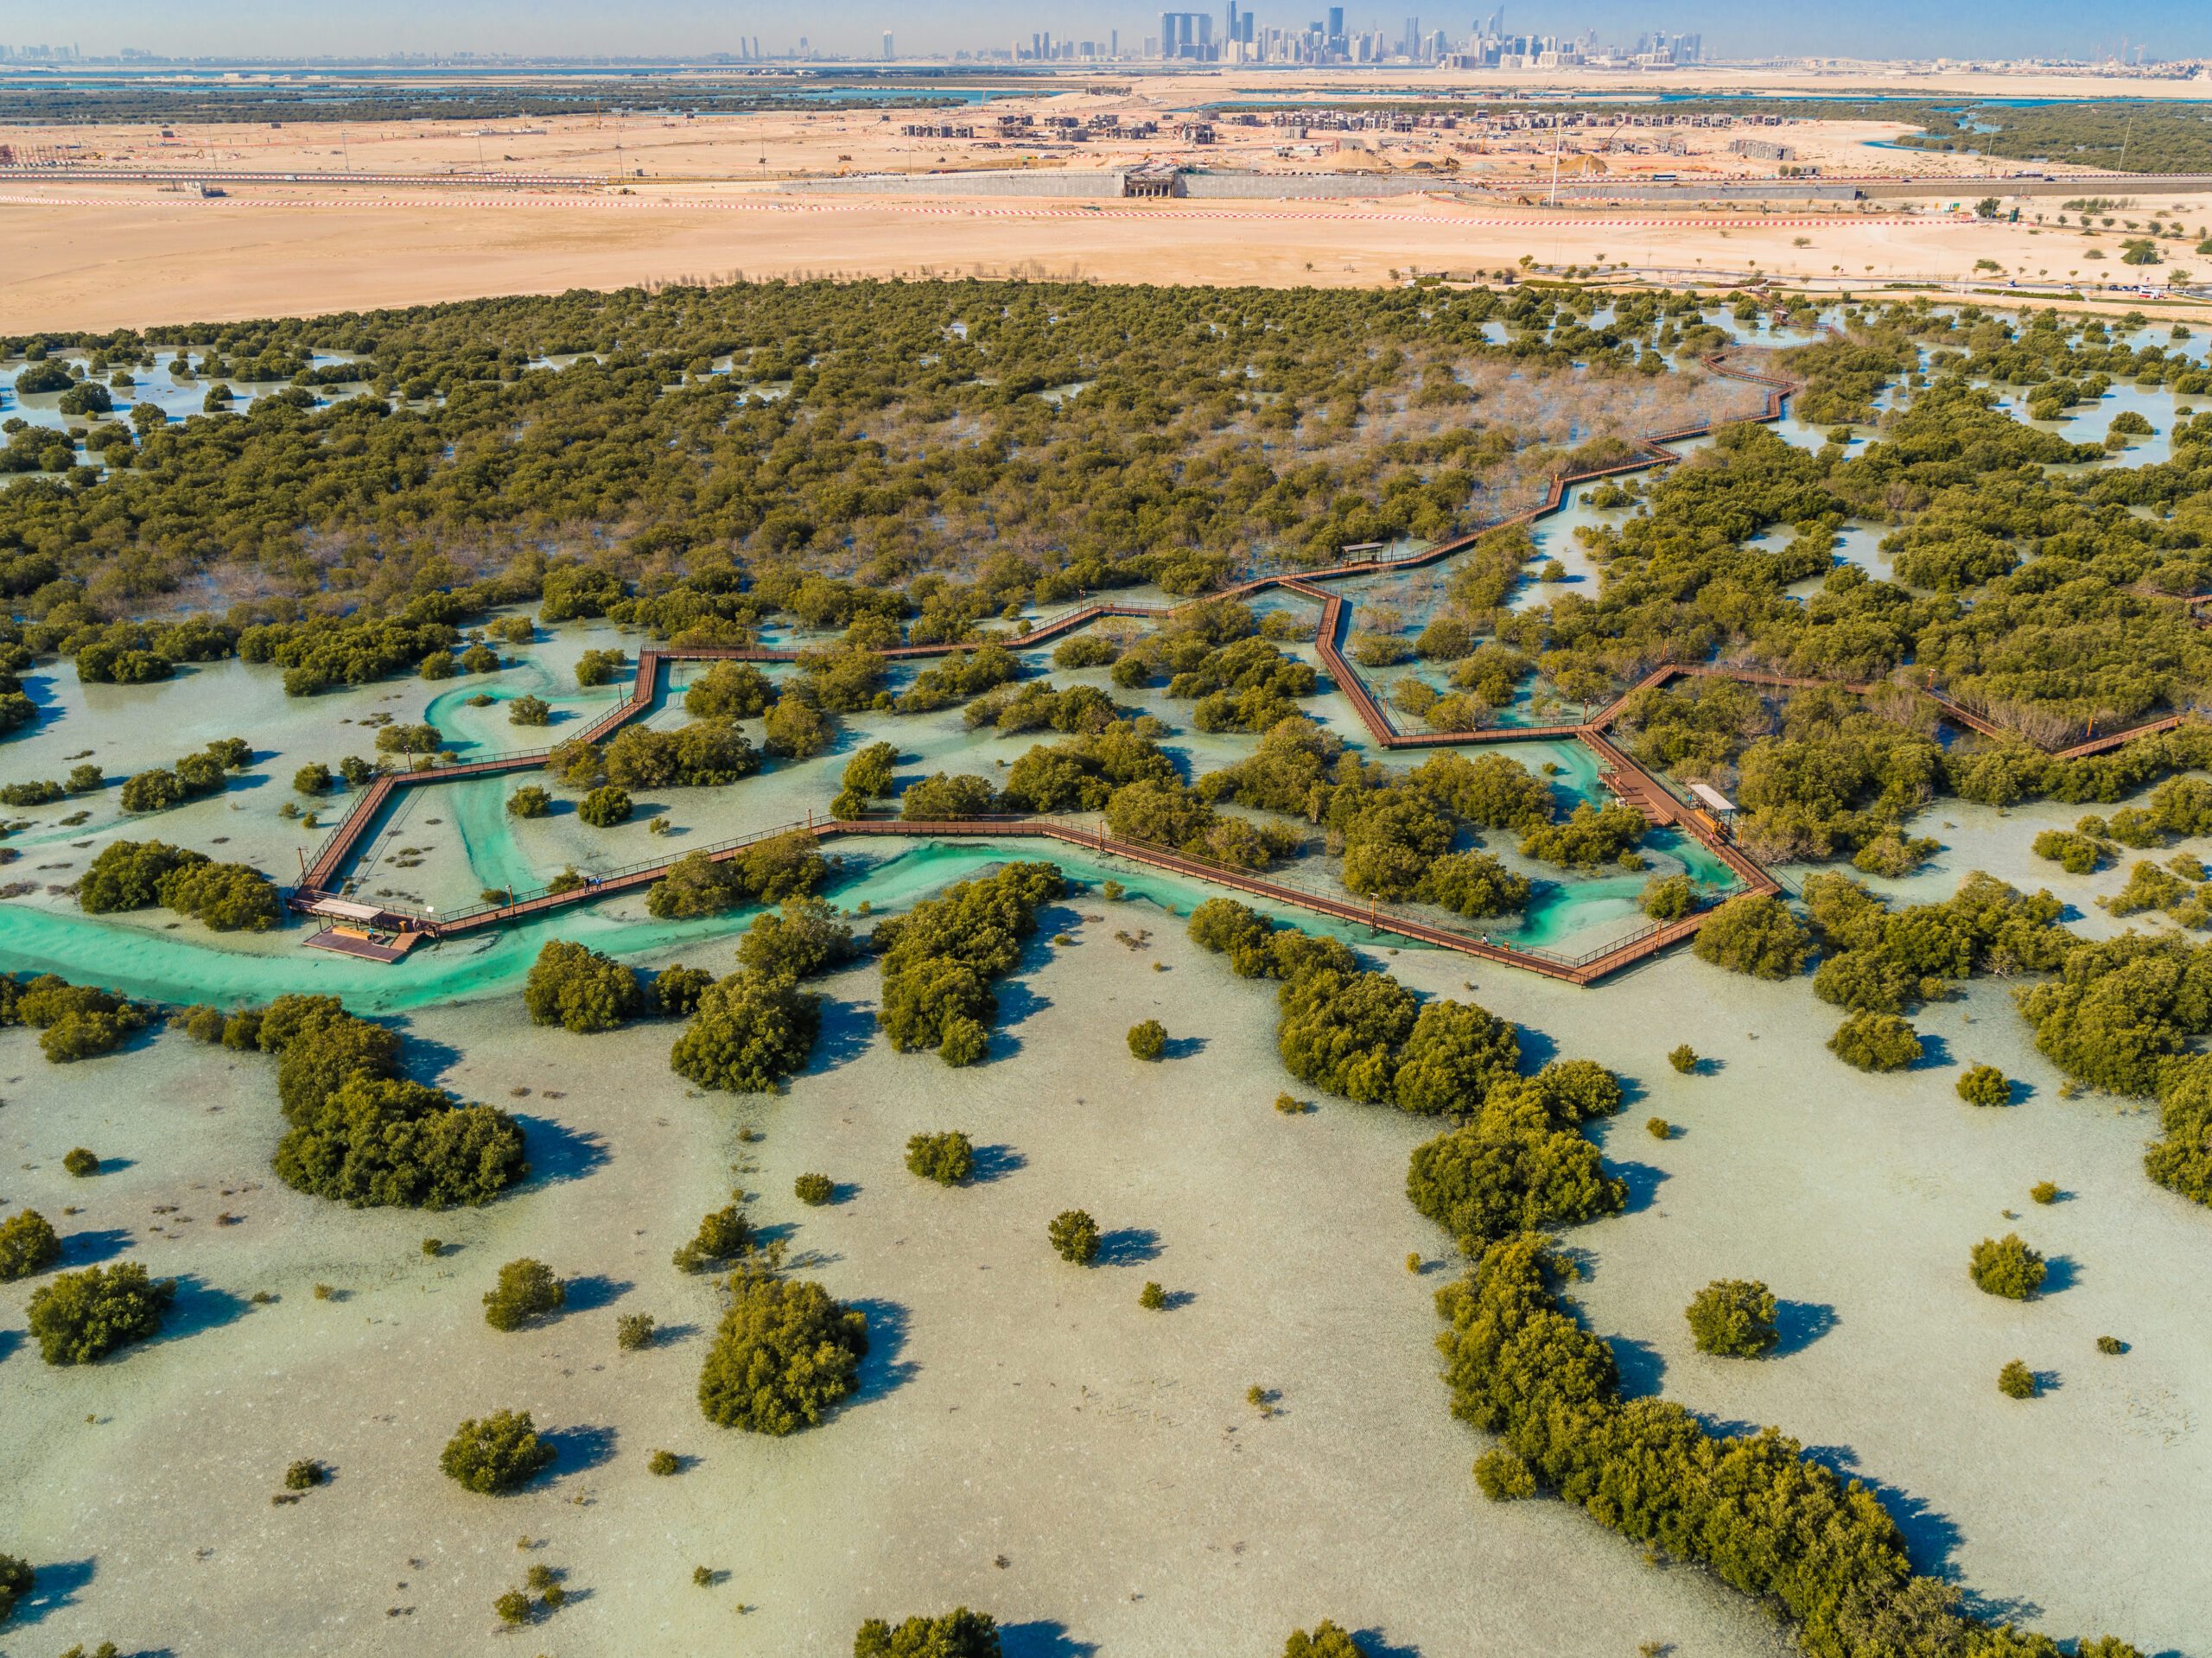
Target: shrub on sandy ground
814	1189
752	1030
957	1633
2006	1267
82	1316
1985	1085
1328	1640
2016	1380
724	1234
495	1453
605	806
28	1244
947	1158
1735	1318
1074	1236
1148	1039
1875	1042
377	1141
2182	1160
939	959
803	938
527	1289
784	1356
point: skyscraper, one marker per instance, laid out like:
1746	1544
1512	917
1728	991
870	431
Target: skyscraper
1336	22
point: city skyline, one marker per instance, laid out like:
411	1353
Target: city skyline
2164	30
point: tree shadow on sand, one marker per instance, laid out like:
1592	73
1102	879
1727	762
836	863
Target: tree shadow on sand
1643	1368
1127	1246
847	1029
55	1589
594	1291
884	1369
1042	1638
580	1448
198	1306
994	1162
559	1154
90	1247
1798	1324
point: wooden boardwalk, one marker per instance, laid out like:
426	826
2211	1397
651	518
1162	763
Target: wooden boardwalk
1627	781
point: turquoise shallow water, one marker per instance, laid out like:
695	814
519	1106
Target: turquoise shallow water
190	966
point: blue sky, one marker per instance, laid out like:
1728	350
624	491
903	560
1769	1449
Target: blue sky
1873	28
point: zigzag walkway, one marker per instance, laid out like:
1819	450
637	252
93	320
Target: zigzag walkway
1628	781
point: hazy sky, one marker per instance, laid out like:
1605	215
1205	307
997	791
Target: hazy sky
638	28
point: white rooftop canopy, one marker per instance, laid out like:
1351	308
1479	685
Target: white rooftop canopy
1711	799
344	910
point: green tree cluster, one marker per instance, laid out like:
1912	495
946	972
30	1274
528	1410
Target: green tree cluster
579	990
28	1244
81	1318
767	872
74	1021
940	957
784	1356
748	1032
948	1157
1735	1318
495	1454
527	1290
360	1134
957	1633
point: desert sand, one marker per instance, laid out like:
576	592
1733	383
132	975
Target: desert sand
86	257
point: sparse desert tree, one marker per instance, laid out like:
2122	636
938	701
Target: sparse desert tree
82	1316
28	1244
1074	1236
2006	1267
495	1453
1985	1085
947	1158
1735	1318
527	1289
784	1356
1328	1640
957	1634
